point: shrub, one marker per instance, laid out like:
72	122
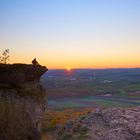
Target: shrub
83	130
65	137
53	124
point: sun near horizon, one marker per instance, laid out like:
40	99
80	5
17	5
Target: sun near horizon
68	69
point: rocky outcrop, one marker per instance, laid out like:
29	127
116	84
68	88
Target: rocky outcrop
22	101
115	124
19	74
103	124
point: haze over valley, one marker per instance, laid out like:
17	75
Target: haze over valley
92	87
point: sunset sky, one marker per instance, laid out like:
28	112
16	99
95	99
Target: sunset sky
72	33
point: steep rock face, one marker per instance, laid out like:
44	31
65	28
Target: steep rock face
22	98
115	124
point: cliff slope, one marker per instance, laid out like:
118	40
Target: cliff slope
22	101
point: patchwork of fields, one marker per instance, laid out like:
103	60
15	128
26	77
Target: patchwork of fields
92	88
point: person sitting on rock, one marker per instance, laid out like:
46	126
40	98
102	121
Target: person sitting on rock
35	63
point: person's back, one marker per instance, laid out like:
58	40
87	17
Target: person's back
34	62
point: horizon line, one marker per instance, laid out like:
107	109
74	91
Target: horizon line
95	68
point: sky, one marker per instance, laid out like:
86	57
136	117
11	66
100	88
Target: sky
72	33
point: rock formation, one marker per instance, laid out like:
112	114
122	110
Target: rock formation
22	101
115	124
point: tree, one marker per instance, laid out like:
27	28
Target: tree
5	56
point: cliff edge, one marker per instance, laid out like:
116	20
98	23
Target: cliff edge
22	101
18	74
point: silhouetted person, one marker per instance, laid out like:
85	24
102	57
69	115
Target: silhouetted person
35	63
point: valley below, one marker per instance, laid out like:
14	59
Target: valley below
92	88
92	104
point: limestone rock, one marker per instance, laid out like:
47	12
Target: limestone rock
22	101
115	124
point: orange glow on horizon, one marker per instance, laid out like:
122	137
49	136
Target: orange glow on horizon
68	69
76	61
86	63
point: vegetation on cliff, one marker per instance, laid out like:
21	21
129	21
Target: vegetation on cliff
56	123
5	56
94	124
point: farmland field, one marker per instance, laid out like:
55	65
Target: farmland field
92	88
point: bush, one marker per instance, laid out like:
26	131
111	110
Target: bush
53	124
65	137
83	130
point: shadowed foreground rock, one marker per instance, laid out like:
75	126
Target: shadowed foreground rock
22	101
115	124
